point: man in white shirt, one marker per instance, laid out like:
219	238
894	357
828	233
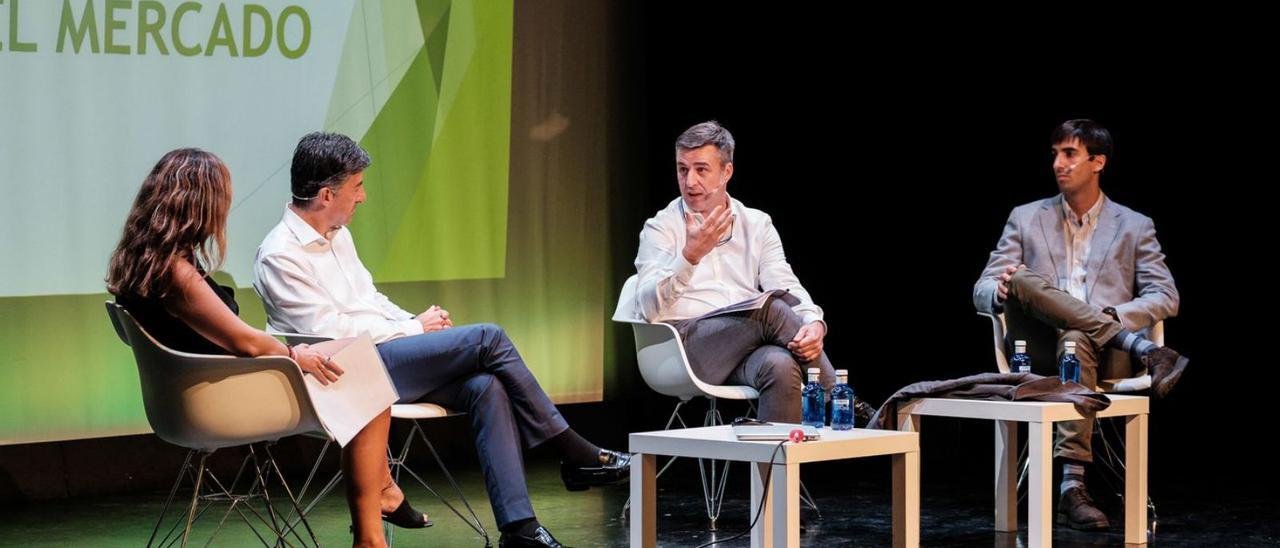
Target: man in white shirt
312	282
1081	268
705	251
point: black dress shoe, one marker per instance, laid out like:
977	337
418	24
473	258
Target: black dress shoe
541	538
863	411
616	467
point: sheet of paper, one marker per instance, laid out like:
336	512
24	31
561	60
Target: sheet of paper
755	303
362	392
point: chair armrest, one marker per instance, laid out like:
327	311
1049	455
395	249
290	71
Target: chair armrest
297	338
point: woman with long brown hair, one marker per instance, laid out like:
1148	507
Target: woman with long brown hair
175	235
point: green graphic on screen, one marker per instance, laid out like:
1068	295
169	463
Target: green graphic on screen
93	92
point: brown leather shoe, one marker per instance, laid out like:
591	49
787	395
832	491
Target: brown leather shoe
1166	367
1076	510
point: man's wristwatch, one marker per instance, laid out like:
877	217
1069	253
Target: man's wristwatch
1111	311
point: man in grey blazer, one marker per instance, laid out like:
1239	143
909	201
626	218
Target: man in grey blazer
1081	268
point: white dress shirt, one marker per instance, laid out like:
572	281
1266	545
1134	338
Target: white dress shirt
1079	235
670	288
318	286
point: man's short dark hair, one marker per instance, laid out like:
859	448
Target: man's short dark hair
324	160
1095	138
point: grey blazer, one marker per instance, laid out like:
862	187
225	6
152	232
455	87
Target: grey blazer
1125	266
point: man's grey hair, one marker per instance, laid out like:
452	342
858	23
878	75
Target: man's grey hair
708	133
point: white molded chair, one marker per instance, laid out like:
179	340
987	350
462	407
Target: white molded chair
664	365
205	403
1131	384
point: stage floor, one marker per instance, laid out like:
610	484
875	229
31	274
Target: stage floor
855	512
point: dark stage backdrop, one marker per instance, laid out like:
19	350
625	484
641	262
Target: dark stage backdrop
890	155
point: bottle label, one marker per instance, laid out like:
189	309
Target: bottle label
840	404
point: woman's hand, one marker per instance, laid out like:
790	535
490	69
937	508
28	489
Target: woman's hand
318	365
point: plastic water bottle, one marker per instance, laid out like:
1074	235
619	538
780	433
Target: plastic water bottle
813	398
1021	361
842	402
1069	364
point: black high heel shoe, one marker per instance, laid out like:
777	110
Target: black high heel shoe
404	516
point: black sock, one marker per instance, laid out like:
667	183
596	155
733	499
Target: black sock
1130	342
575	449
523	527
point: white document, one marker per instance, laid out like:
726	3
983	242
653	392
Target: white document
754	303
362	391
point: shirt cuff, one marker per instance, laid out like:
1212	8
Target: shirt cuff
411	327
682	270
810	317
